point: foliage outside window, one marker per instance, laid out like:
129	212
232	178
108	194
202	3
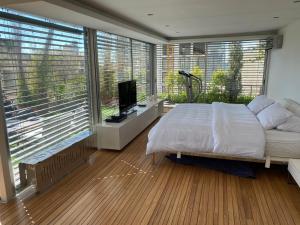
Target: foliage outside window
230	71
141	62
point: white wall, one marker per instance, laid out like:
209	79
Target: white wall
284	73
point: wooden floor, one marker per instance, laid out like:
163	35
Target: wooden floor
125	188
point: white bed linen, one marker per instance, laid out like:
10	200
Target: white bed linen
189	128
186	128
236	131
282	144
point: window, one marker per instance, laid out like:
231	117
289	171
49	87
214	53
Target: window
141	69
231	71
167	49
120	59
43	83
185	49
198	48
114	55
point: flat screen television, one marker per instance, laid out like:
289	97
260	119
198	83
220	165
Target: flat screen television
127	95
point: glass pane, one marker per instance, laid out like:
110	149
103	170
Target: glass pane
230	71
141	69
43	82
114	55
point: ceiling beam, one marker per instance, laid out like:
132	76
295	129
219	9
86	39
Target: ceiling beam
224	37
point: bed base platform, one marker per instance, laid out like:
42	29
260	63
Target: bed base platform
267	160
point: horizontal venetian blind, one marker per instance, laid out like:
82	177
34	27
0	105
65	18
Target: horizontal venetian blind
141	62
44	85
114	58
225	67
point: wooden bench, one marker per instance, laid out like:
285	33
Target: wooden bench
45	168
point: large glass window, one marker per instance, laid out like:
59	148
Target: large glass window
231	71
114	55
141	63
121	59
44	85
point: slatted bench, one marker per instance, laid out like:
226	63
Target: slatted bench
45	168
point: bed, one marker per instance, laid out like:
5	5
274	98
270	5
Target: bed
220	130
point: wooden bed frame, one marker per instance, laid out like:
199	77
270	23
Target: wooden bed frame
267	160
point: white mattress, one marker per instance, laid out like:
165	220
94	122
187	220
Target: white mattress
282	144
294	169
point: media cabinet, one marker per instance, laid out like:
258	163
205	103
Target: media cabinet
116	136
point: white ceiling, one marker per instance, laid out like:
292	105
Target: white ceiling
188	18
89	17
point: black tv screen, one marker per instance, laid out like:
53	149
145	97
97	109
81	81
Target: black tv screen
127	95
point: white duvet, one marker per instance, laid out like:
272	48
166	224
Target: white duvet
229	129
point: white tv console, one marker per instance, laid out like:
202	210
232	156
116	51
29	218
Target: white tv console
116	136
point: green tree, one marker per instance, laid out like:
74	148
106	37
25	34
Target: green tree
42	78
218	82
171	81
198	72
233	85
108	79
24	94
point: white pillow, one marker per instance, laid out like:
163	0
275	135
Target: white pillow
273	116
292	106
259	103
292	124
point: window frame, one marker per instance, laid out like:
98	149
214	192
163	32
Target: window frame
7	187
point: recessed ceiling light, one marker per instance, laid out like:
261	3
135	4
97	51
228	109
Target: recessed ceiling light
275	17
150	14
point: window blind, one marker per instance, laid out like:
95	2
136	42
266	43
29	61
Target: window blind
114	56
121	59
230	70
141	61
44	86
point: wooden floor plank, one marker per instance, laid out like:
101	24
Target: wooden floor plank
164	193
